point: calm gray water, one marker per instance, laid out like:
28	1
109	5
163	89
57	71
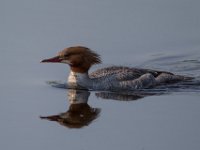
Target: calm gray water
152	34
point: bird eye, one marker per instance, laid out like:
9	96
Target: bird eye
66	55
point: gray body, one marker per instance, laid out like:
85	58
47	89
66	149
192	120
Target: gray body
121	78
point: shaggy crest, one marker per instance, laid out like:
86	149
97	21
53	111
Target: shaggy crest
86	54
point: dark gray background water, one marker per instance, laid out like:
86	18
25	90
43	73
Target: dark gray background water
154	34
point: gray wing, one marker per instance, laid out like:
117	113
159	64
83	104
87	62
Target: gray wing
124	73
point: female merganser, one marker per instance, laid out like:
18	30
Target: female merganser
80	59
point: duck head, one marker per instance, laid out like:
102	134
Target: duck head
79	58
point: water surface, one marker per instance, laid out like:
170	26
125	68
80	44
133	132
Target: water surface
162	35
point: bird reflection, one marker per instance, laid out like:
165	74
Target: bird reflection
119	96
79	113
127	95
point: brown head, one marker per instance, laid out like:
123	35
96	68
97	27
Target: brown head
79	58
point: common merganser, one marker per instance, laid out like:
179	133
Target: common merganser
80	59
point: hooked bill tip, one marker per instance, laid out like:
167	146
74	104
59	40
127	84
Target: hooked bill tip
44	60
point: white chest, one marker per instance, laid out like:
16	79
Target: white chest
78	79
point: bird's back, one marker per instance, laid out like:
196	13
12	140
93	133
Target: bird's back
124	73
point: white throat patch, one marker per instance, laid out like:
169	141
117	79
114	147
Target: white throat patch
78	79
